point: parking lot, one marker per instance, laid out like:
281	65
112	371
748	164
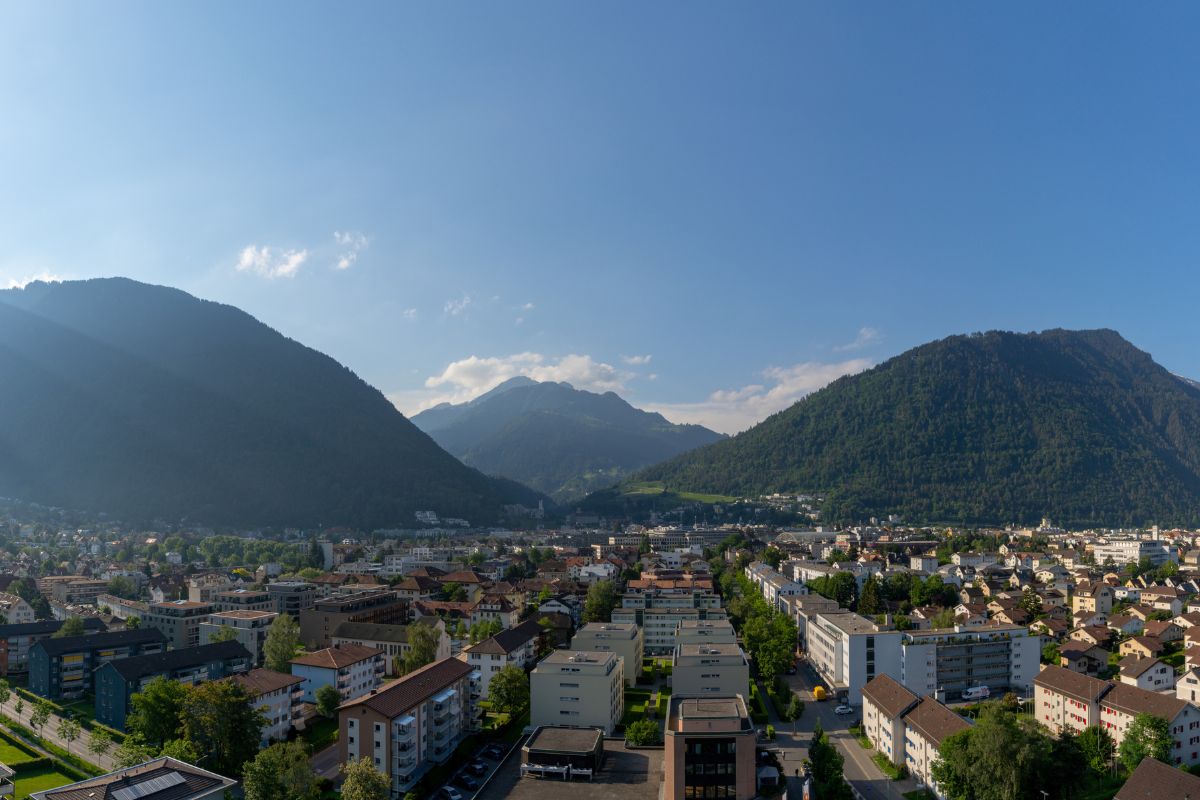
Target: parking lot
479	772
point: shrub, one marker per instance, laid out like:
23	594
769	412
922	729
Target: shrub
642	733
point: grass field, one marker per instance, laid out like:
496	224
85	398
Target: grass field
37	780
656	487
14	755
320	733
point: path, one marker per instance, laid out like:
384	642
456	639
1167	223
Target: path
49	732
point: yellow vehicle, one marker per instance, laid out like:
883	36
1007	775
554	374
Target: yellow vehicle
819	693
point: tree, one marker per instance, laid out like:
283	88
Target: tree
219	719
827	764
68	731
998	758
122	586
132	623
225	633
283	641
181	750
133	751
773	556
484	629
460	630
943	619
1030	602
544	595
100	742
1051	654
72	627
39	716
157	710
422	647
454	592
20	707
869	603
1097	746
509	690
642	732
600	601
5	692
281	772
1147	736
364	782
328	700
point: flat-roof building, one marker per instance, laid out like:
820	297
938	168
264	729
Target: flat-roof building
578	690
709	750
622	638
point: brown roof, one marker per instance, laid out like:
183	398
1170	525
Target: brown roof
509	639
1133	700
1135	665
889	695
1154	780
337	657
934	721
1149	642
464	576
264	681
191	782
400	695
1064	681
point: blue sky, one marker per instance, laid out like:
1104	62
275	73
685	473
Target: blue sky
710	207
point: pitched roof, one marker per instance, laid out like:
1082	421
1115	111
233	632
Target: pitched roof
377	631
509	639
91	641
264	681
138	667
934	721
1154	780
1133	700
45	626
1135	665
889	695
416	687
1064	681
175	780
337	657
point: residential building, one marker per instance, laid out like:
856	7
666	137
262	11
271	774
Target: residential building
926	726
1093	598
391	640
278	695
578	689
15	610
717	670
1187	686
16	639
1156	780
291	597
63	668
411	724
179	620
249	627
622	638
704	631
122	608
885	702
1146	673
81	592
117	682
242	600
318	624
659	606
495	608
201	588
157	779
514	647
351	669
709	750
1132	551
773	585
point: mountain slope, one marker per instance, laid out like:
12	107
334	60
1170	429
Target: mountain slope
143	401
997	427
556	438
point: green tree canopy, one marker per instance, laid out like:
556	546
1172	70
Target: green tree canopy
509	690
73	626
155	717
364	782
1147	736
422	647
220	721
280	772
283	641
328	700
600	601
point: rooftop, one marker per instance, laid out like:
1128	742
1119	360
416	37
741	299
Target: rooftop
889	695
138	667
934	721
242	613
337	657
1154	780
264	681
565	740
400	695
562	657
627	774
160	779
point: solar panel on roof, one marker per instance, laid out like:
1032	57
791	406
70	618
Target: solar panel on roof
150	787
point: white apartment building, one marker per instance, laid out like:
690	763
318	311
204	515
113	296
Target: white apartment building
15	610
578	690
716	670
926	726
249	627
352	670
706	631
773	586
278	696
513	647
1131	551
622	638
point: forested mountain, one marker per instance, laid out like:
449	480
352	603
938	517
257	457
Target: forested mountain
555	438
145	402
990	428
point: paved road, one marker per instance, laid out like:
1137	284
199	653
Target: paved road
49	732
326	763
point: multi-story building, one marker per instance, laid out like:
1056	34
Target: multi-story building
15	610
152	780
773	585
514	647
291	597
495	608
926	726
705	631
1130	551
82	591
1067	700
16	640
622	638
578	690
391	640
242	600
249	627
63	668
179	620
659	605
201	588
278	695
318	624
885	702
118	681
1092	598
121	607
351	669
710	670
411	724
709	747
1150	674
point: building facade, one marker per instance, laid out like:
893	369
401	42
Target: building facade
249	627
179	621
624	639
351	669
717	670
17	639
278	695
63	668
709	750
578	690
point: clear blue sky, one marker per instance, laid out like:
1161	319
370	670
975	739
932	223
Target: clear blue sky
757	196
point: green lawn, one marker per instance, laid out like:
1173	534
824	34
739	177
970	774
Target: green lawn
38	780
320	733
887	767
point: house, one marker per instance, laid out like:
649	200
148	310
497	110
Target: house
15	610
1125	624
1095	634
1084	658
1052	629
411	724
1154	780
1146	646
1187	686
160	778
351	669
1092	597
278	695
1164	598
495	607
1146	673
391	640
514	647
1165	631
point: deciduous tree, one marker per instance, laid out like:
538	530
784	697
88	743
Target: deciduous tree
283	640
281	772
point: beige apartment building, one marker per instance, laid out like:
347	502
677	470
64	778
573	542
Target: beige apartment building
578	690
622	638
717	670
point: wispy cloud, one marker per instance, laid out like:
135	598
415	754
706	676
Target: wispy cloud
351	244
865	338
21	283
457	307
528	307
733	410
409	313
637	360
271	263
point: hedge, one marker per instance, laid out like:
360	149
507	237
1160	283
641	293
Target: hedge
758	712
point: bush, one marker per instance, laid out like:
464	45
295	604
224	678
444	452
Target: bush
758	712
643	733
771	733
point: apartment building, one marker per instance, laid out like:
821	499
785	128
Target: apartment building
179	621
391	640
63	668
926	726
318	623
659	605
623	638
1092	598
849	651
514	647
242	600
1068	700
709	750
201	588
249	627
578	690
117	682
17	639
278	695
710	670
705	631
291	597
152	780
411	724
885	701
773	585
351	669
1131	551
82	591
122	608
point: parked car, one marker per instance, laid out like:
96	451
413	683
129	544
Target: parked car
466	781
493	751
450	793
477	768
843	710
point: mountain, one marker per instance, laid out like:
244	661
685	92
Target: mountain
145	402
999	427
556	438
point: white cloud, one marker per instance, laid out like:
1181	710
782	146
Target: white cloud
527	307
409	313
270	263
866	337
21	283
470	377
733	410
351	243
456	307
637	360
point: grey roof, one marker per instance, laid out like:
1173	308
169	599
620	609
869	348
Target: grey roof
46	626
374	631
160	779
138	667
93	641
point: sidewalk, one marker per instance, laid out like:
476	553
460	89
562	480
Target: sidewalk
49	732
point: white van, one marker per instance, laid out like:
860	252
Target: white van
976	693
